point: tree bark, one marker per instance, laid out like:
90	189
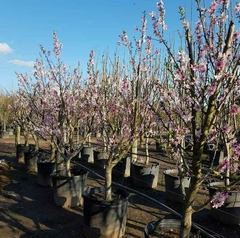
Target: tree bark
17	134
191	195
108	183
134	150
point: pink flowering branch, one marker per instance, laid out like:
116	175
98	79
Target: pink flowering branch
200	94
56	101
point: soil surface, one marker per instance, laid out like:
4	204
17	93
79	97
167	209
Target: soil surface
27	210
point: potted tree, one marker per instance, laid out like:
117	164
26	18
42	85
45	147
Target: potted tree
25	153
121	125
204	76
55	98
105	208
225	193
5	113
144	70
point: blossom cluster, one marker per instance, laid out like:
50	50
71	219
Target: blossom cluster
219	199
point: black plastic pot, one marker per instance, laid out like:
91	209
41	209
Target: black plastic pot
45	170
100	158
31	159
145	176
123	168
87	154
67	191
5	134
159	227
20	150
173	185
229	213
102	218
156	227
216	157
160	147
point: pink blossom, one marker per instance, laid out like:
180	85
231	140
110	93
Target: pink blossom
198	133
219	199
225	164
199	27
219	64
237	9
164	26
42	49
57	45
234	109
92	53
125	85
201	67
211	89
236	148
124	37
213	7
152	14
226	129
149	46
197	107
185	24
155	25
235	165
223	17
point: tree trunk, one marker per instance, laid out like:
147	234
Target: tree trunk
17	134
36	140
141	140
26	137
108	182
89	139
147	151
104	136
59	162
227	173
4	126
191	195
186	222
78	135
53	152
134	150
68	166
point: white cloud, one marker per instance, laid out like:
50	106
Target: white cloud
5	48
22	63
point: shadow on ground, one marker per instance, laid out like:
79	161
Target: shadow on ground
28	210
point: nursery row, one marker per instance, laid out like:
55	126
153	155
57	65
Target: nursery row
70	191
185	97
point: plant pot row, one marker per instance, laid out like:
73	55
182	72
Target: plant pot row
69	192
229	213
108	219
100	217
144	175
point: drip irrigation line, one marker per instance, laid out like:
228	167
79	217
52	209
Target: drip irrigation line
195	225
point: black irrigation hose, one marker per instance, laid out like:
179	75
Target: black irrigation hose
37	152
195	225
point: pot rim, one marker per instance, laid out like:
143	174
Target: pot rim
93	190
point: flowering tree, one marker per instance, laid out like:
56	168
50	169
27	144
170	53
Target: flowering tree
55	102
201	96
123	102
20	114
144	69
5	111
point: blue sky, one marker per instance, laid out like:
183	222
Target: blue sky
81	25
